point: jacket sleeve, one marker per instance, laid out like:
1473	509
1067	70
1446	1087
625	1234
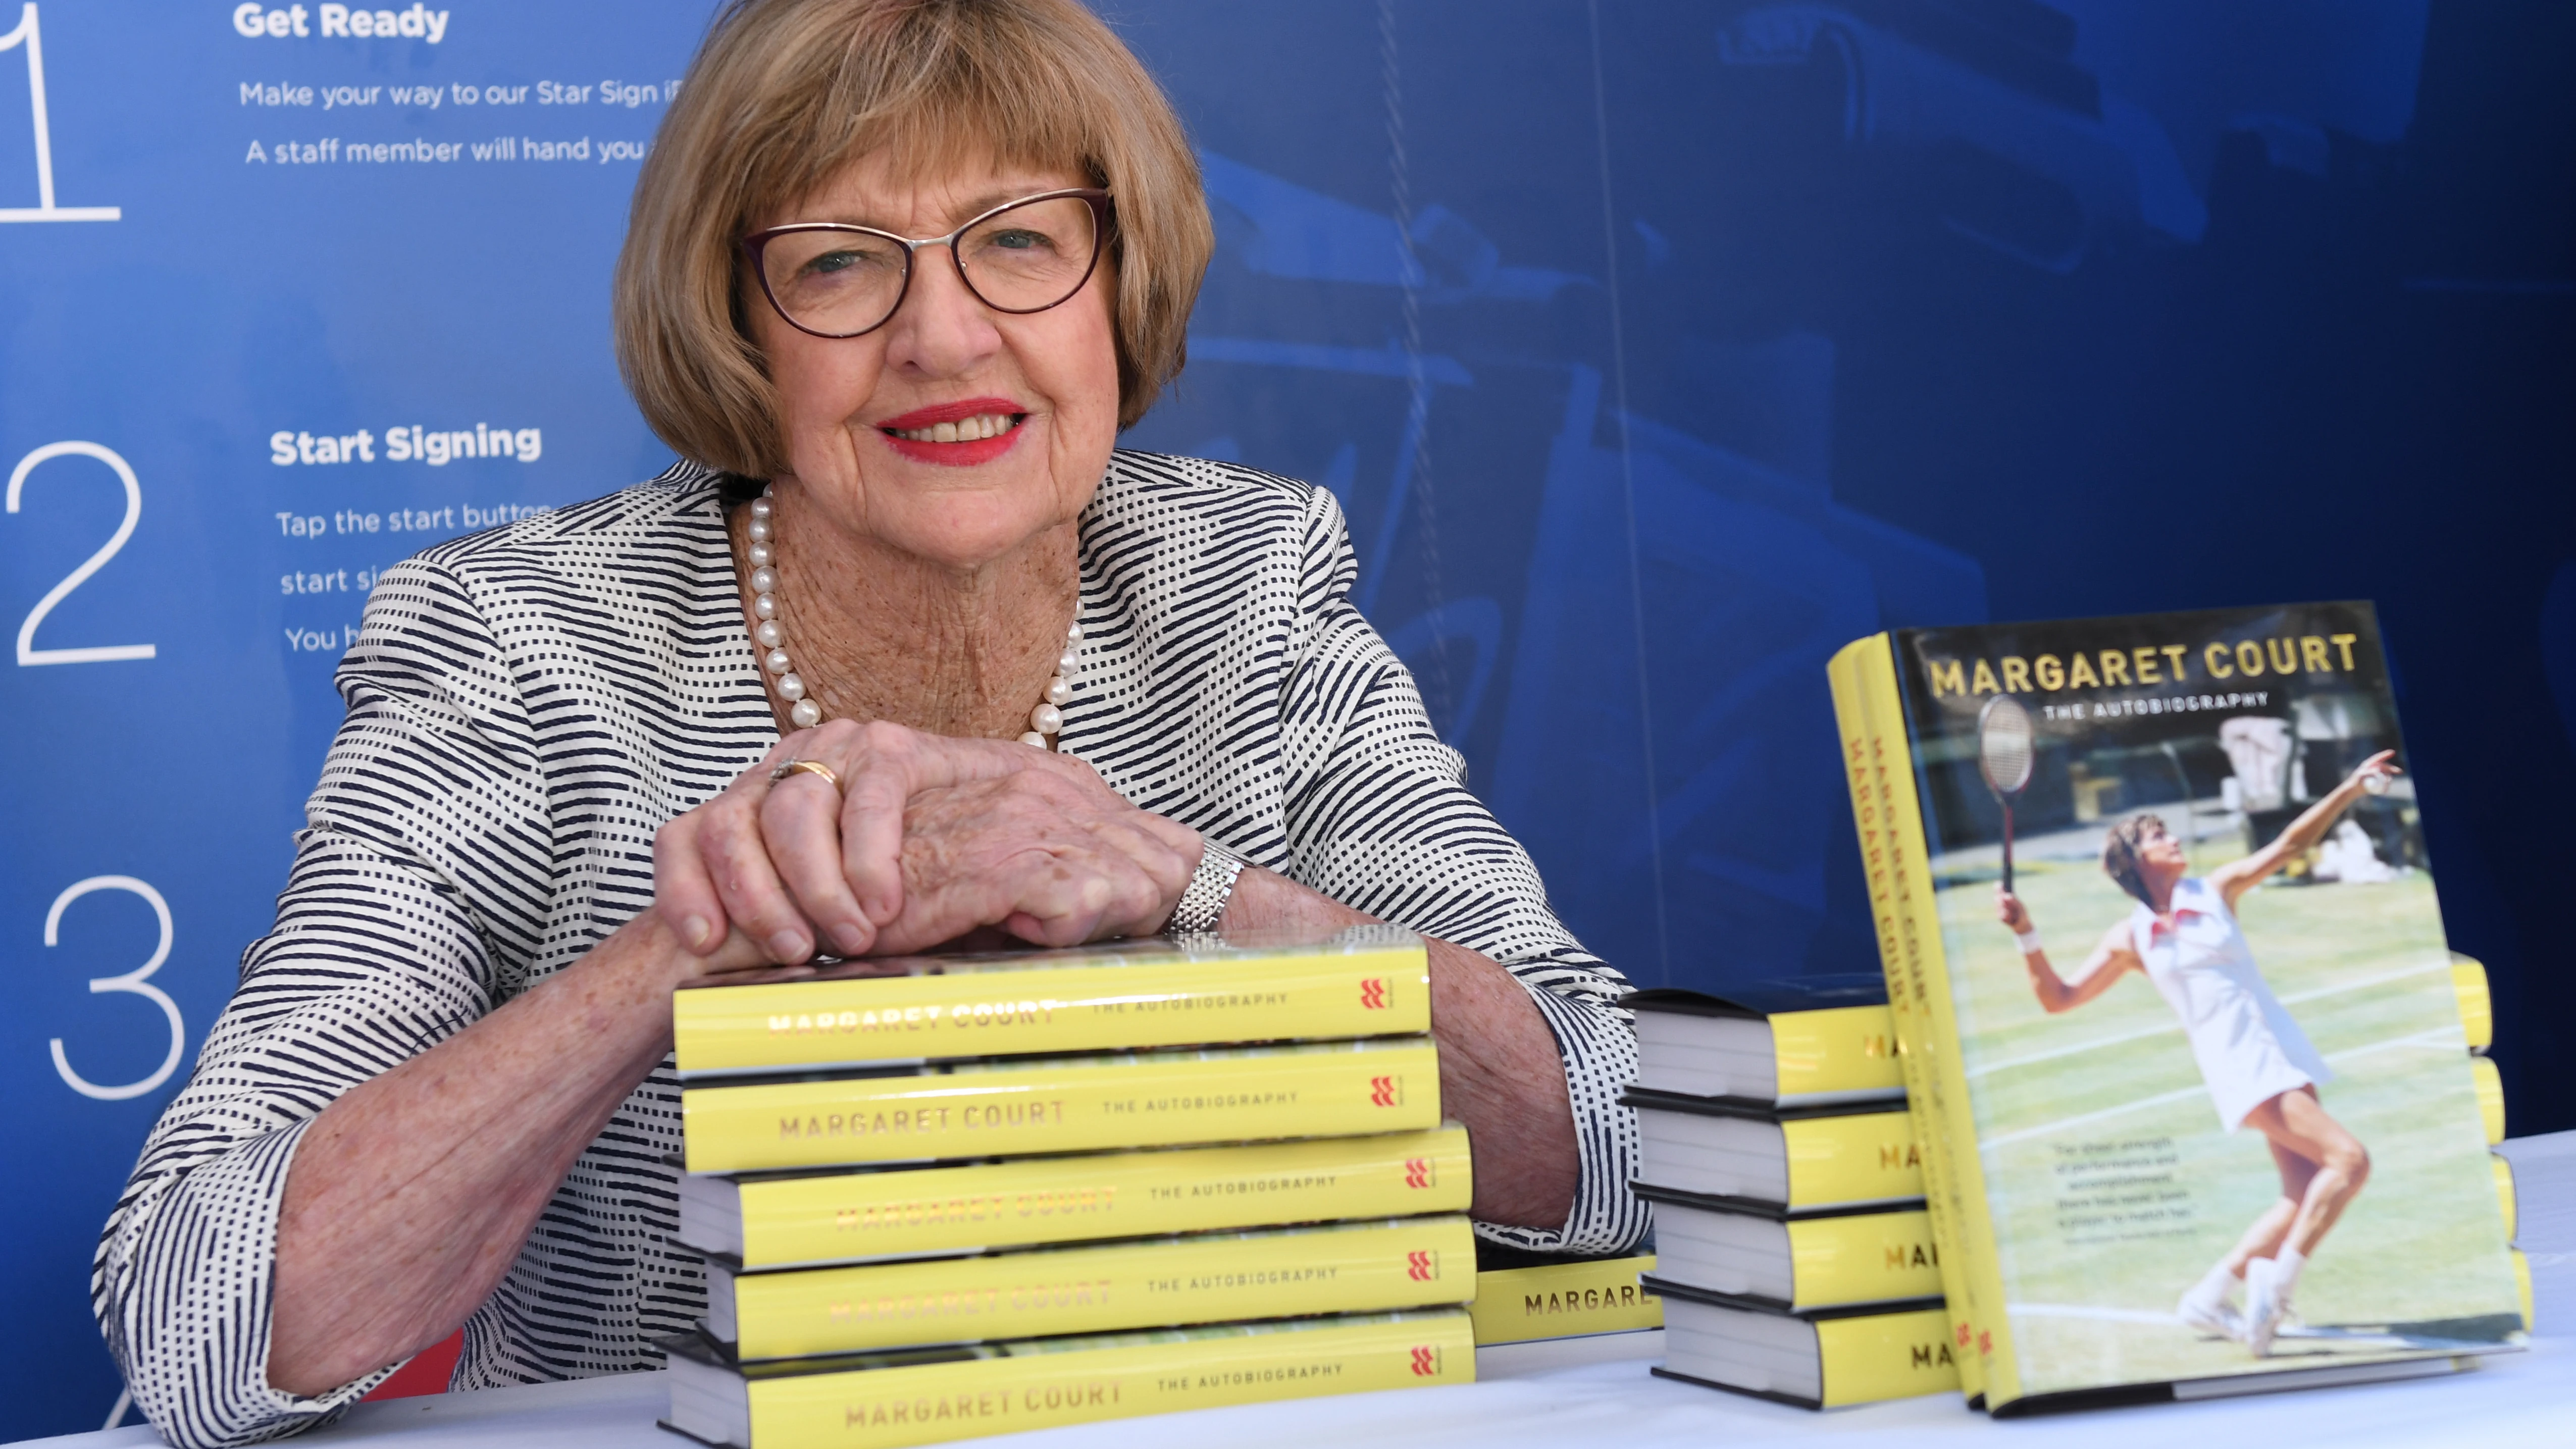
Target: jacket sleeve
387	941
1380	819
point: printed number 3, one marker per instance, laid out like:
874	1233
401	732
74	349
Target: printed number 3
28	653
132	981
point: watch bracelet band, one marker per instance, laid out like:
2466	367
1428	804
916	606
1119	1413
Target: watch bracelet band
1202	902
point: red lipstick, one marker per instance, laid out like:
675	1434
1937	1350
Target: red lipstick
959	454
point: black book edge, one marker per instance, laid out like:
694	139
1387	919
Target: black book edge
1792	1400
699	1345
668	1427
1666	1288
1754	1207
1789	995
1649	1099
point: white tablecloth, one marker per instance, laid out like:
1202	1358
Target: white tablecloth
2517	1400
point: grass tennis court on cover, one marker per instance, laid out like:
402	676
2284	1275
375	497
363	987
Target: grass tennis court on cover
2115	1185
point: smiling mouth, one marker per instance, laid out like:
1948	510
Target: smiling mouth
963	430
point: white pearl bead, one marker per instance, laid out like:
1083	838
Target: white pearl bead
766	606
769	634
807	714
758	529
791	686
1074	634
760	555
764	581
761	507
1034	740
777	661
1046	719
1067	663
1057	691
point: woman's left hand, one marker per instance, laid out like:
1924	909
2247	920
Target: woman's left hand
1056	855
1038	856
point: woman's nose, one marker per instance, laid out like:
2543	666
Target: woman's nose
942	329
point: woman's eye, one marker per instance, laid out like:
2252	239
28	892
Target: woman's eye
830	262
1018	240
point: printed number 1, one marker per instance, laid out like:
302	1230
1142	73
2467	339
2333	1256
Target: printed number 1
28	653
44	210
133	982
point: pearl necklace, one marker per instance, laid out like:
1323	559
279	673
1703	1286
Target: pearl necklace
1044	721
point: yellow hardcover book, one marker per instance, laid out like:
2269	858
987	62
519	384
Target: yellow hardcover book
2110	1141
1828	1359
2477	1008
1565	1300
1802	1042
2503	1168
1795	1261
1064	1104
2490	1085
1118	995
1920	1002
1798	1158
1899	938
1094	1288
930	1396
831	1217
2522	1285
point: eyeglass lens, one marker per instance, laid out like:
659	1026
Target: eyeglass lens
1025	258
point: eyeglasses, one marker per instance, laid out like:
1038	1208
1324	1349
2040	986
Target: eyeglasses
835	280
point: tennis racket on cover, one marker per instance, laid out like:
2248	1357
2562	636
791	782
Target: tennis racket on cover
2004	757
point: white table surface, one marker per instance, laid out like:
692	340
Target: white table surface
2514	1400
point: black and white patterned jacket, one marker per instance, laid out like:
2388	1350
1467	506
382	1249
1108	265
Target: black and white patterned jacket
527	706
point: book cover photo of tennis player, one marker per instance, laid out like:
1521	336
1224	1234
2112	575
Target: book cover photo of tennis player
2222	1092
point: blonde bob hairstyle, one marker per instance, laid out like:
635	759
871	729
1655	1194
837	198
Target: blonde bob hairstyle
783	94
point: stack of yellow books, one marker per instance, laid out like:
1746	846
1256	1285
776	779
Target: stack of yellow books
950	1196
1794	1253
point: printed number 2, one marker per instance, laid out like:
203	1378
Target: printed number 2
28	653
132	981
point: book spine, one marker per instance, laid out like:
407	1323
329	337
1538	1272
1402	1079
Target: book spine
1350	1268
1070	1106
2477	1007
1926	993
1839	1049
1565	1300
1279	997
2502	1167
1032	1201
1862	1157
1882	1356
1864	1258
1862	749
887	1408
2490	1084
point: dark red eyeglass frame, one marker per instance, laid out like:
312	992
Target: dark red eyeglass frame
1103	218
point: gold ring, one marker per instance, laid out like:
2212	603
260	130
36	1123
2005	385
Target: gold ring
806	767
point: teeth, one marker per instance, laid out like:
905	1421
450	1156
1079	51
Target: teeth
974	429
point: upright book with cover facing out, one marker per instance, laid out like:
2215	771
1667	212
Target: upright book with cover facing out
2264	1156
1275	985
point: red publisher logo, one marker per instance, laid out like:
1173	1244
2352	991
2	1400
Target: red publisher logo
1418	1172
1426	1363
1422	1267
1386	1091
1373	994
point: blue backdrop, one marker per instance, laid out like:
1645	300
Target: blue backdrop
1655	349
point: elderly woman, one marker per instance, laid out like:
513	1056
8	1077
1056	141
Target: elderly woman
956	665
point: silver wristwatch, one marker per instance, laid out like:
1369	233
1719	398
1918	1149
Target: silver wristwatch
1202	904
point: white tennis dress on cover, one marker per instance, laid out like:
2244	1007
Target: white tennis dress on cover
2249	1049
